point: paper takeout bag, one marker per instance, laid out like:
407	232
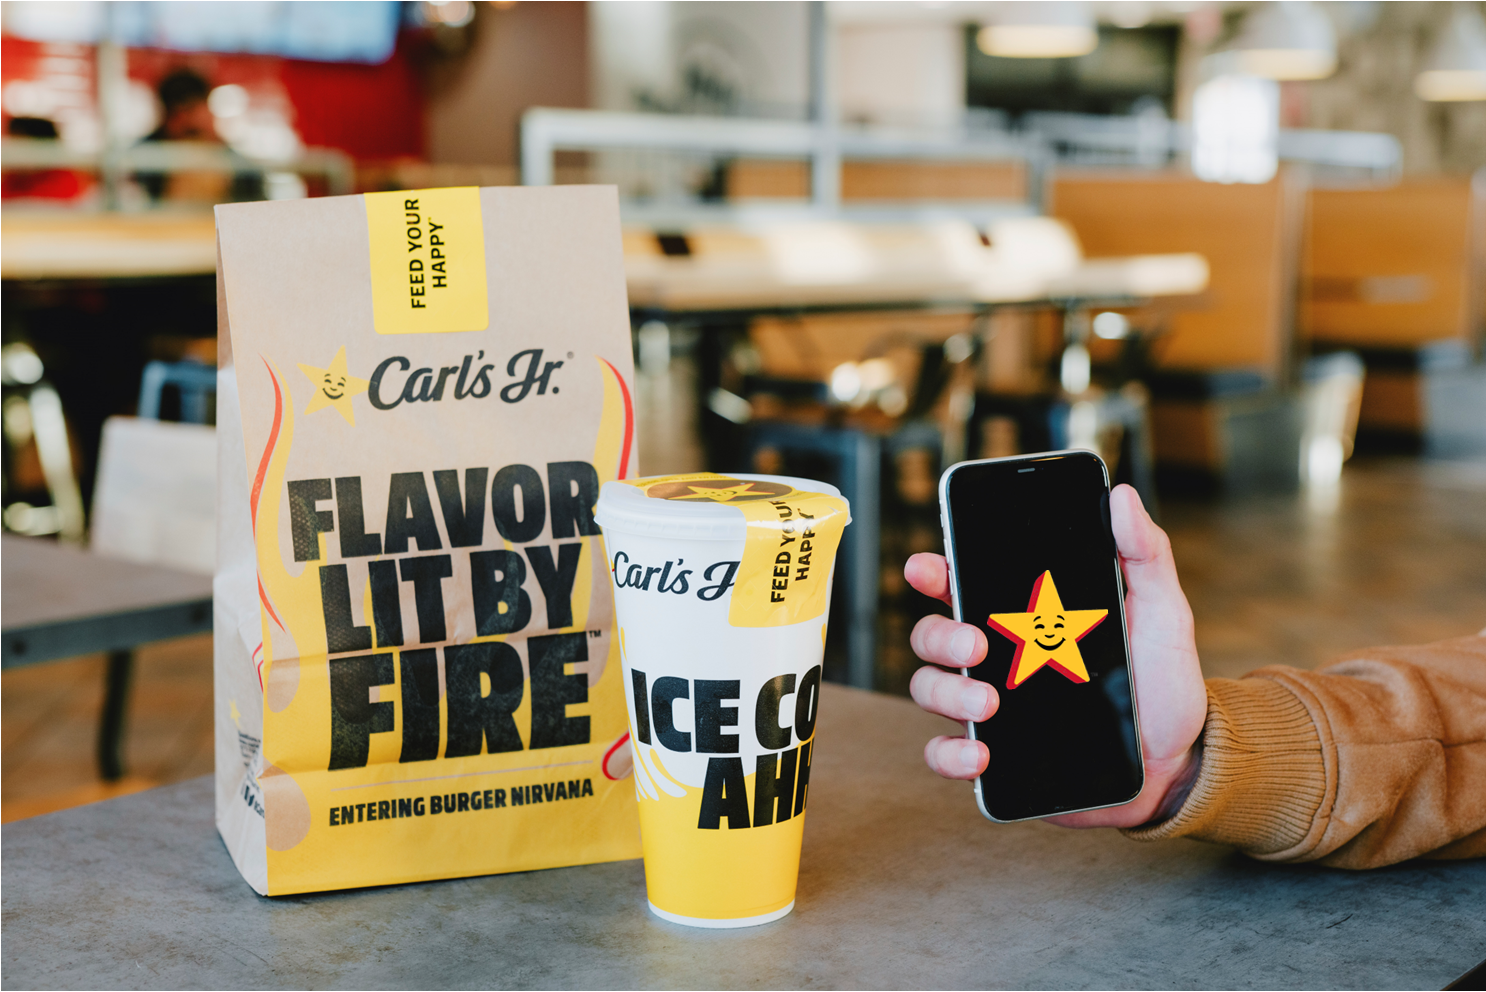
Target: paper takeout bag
416	672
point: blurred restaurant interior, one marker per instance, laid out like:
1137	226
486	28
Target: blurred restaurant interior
1237	248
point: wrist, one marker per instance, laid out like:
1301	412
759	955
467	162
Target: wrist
1168	782
1178	785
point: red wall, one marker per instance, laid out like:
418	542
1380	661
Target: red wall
368	111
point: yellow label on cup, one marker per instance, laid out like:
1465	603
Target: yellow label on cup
427	261
789	550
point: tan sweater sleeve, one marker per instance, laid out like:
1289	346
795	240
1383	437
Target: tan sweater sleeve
1373	759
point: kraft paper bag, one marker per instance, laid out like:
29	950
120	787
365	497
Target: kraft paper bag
416	670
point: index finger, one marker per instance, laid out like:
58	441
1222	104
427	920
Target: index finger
929	574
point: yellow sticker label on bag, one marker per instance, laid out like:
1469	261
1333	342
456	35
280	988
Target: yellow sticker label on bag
788	553
427	261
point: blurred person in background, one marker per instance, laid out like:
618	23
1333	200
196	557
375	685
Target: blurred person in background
186	116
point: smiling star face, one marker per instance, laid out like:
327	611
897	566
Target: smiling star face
722	495
1049	631
335	387
716	489
1050	628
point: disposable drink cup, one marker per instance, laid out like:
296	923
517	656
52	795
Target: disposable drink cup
721	588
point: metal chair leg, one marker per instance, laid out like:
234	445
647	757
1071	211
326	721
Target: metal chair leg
111	723
862	485
858	458
52	446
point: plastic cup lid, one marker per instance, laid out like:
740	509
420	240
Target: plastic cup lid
625	508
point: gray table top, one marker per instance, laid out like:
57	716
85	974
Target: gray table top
45	582
61	601
903	885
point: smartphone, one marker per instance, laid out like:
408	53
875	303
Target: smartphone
1032	563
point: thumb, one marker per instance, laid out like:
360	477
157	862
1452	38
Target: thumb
1145	550
1163	650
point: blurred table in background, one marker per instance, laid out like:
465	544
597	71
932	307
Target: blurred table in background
814	299
782	265
61	602
75	245
98	296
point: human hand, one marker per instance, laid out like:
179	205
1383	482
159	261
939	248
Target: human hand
1168	680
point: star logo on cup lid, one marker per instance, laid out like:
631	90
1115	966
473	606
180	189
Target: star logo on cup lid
718	489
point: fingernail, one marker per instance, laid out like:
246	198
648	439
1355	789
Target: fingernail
969	758
974	698
962	646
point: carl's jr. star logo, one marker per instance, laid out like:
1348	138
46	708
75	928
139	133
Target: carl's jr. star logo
1046	634
334	386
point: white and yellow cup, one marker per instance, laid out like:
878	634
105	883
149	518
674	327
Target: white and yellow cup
722	588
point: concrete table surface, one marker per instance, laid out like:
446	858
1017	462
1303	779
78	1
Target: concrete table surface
903	885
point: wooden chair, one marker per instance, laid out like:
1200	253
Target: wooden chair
154	503
1396	274
1218	395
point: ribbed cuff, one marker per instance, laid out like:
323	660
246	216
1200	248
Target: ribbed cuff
1262	780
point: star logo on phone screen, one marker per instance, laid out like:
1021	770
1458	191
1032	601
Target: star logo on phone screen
1047	634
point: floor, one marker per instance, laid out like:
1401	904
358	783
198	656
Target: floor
49	726
1396	553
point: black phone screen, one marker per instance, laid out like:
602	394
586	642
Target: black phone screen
1035	568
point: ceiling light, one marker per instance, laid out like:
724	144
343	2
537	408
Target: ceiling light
1128	13
20	365
228	100
1235	130
1450	84
876	373
1456	67
450	13
846	382
1075	369
958	347
1111	326
1287	39
1024	30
